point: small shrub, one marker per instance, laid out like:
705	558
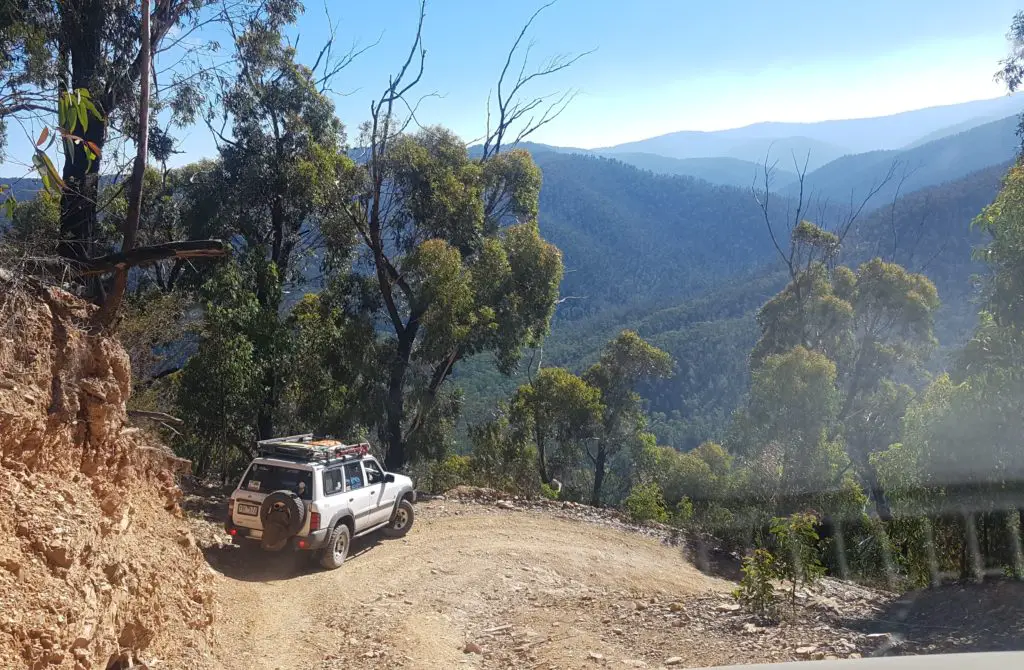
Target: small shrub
797	560
756	591
443	475
683	514
646	503
548	491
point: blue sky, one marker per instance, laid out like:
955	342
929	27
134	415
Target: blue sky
667	65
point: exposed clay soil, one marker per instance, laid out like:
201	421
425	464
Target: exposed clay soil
97	561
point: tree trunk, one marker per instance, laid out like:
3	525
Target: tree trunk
112	303
595	499
265	414
397	457
83	24
869	476
542	465
878	495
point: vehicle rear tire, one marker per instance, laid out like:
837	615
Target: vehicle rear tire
401	520
336	548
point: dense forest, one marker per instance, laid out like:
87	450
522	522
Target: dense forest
757	364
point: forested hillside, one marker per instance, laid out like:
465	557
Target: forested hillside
726	171
708	325
632	238
854	177
748	144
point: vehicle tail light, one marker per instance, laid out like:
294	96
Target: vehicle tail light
314	521
302	544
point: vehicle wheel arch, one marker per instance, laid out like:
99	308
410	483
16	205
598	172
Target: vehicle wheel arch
346	520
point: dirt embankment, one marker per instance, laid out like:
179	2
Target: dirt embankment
95	555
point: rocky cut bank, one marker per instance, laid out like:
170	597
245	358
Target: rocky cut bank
96	559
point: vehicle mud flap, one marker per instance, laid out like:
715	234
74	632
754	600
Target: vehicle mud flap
283	514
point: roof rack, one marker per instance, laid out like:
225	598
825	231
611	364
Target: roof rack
306	449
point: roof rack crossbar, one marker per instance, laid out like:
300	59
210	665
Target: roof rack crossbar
304	448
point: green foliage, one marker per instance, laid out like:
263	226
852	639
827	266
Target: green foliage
955	440
784	431
682	515
626	361
439	476
34	229
797	557
218	389
501	459
645	503
756	590
461	268
1003	220
807	234
547	491
557	413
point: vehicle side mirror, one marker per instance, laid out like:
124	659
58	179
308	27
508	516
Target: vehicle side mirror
389	478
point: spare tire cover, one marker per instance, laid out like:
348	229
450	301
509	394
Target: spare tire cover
283	513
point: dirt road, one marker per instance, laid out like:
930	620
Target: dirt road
528	588
477	586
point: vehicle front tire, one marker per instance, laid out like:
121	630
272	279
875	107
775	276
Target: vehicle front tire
336	548
401	520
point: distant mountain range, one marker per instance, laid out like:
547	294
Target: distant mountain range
852	178
825	140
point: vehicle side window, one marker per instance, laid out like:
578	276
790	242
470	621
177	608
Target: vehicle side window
353	476
374	475
334	481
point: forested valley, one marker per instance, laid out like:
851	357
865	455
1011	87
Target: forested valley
827	357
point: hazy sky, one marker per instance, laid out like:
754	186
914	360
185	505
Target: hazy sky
666	65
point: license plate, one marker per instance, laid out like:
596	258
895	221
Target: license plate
256	534
251	510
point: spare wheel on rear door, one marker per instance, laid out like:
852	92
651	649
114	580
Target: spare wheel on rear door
283	514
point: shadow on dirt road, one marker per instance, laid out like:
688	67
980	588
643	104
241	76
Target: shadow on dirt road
952	618
248	563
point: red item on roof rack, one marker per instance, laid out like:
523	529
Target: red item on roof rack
361	449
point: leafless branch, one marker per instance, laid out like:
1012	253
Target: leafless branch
154	416
763	200
856	209
511	109
147	255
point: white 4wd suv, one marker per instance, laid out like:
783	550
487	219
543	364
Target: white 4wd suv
316	495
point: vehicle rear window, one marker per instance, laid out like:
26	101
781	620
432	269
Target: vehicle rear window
265	478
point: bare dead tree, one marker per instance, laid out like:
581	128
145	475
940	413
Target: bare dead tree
763	198
535	112
329	64
905	174
926	211
796	257
856	208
